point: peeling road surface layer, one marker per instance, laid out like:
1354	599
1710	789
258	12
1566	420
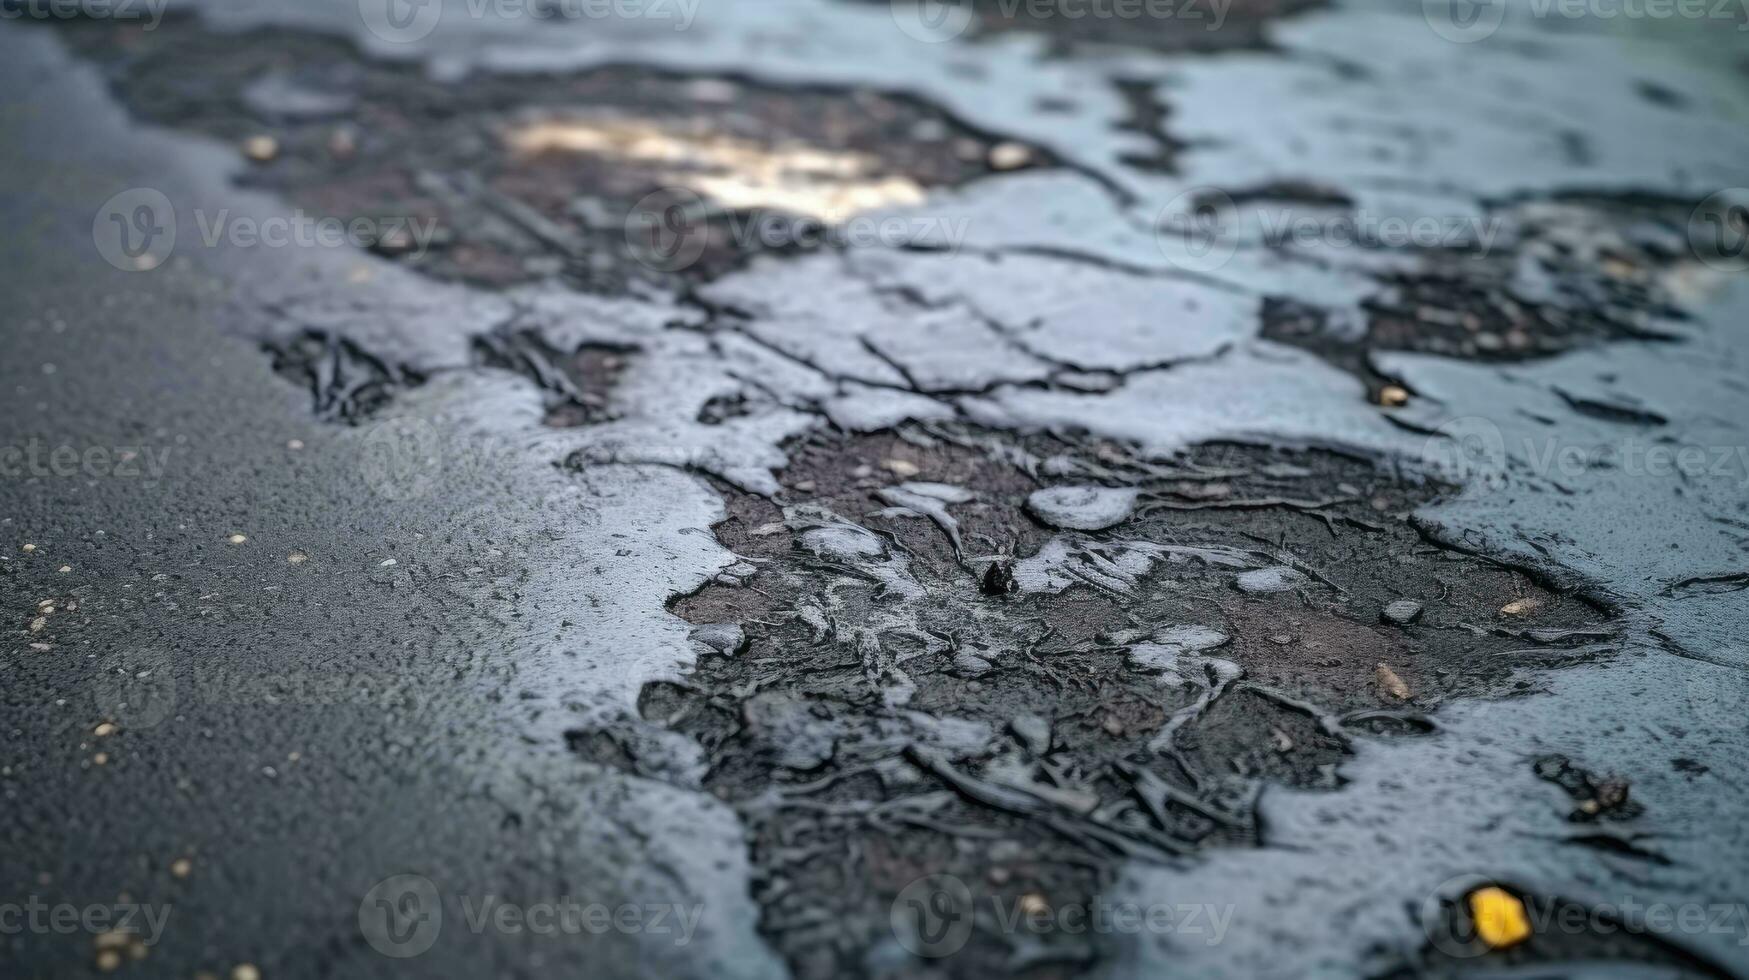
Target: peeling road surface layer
1285	478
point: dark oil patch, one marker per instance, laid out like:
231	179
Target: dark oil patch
1597	797
1030	759
346	382
363	139
1174	27
723	408
1148	118
1579	272
577	385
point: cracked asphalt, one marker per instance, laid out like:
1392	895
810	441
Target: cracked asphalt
825	487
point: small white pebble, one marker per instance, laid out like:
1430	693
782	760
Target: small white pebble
1009	156
64	569
295	445
237	538
29	548
270	772
388	563
261	149
297	558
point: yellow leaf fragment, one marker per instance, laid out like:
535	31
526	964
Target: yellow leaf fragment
1501	921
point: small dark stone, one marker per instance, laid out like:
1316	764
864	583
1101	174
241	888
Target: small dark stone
999	578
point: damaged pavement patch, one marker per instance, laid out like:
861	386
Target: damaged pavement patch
606	180
877	713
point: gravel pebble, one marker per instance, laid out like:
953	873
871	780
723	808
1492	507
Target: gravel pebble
1264	580
1402	612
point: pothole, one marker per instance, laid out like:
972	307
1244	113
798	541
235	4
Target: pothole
585	178
1023	661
